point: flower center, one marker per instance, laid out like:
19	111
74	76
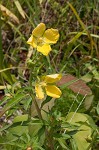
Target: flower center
43	84
40	41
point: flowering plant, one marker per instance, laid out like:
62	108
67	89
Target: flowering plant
41	39
35	125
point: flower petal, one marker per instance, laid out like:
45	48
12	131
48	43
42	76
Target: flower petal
45	49
39	91
51	36
39	30
53	91
52	78
32	41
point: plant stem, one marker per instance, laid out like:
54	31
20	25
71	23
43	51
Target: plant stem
37	108
50	66
33	99
49	138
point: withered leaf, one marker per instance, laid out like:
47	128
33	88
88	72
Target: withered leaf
75	84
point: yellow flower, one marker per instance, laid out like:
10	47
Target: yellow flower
46	85
42	38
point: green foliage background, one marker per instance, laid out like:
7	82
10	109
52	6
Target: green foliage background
76	53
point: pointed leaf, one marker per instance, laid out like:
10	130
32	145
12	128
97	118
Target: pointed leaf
85	131
21	11
20	118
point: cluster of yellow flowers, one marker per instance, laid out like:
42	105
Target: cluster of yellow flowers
42	39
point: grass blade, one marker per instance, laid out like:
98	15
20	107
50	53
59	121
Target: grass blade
1	52
7	12
21	11
84	27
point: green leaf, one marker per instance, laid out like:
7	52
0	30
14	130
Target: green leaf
14	100
5	127
87	77
21	118
97	108
71	133
34	126
73	144
18	97
85	131
19	130
62	143
66	136
8	139
88	101
41	135
74	39
19	7
46	101
6	98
